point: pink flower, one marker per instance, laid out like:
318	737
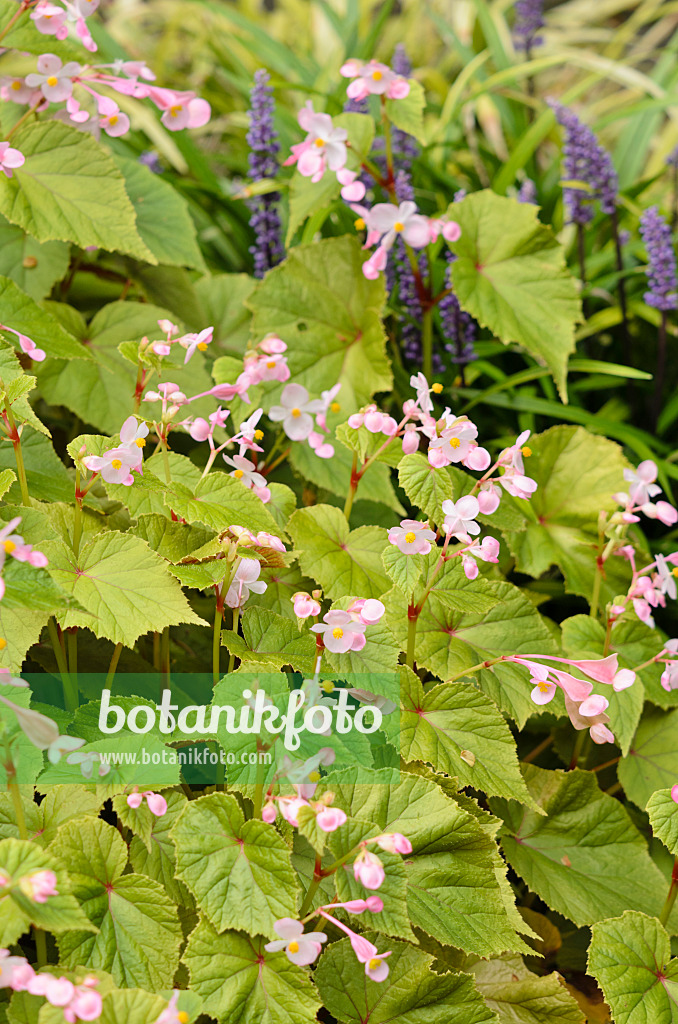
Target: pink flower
246	580
449	229
486	550
50	20
85	1003
245	471
181	109
272	345
373	903
460	516
115	466
172	1014
368	870
9	159
15	971
353	190
513	478
489	498
367	610
305	605
454	444
300	949
412	537
324	145
39	886
674	793
421	386
373	266
393	842
193	342
662	511
157	804
642	480
410	439
269	812
295	412
12	544
669	679
373	78
340	632
376	968
329	819
52	78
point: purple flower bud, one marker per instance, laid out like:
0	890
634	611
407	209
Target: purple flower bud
527	192
263	163
529	19
585	160
458	327
661	270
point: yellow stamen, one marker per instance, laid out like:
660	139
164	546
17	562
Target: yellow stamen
410	537
113	120
258	434
374	963
183	1017
296	413
3	643
9	546
52	80
270	364
398	226
140	442
675	571
238	473
543	687
319	143
293	947
337	632
436	389
314	777
116	463
526	451
377	76
360	224
173	111
16	86
335	407
202	346
328	686
455	442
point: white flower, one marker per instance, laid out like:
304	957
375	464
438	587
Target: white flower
246	580
200	341
245	472
390	221
420	384
300	949
295	412
53	79
460	516
642	480
412	537
667	581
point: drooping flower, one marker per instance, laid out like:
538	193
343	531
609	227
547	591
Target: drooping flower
412	537
393	842
368	869
245	581
10	159
157	804
329	819
513	478
340	632
263	141
299	948
487	550
661	270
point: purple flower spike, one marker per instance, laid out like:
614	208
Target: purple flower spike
529	19
527	192
661	270
264	146
585	160
458	327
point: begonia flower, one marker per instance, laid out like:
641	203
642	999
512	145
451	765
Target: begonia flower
299	948
340	632
295	412
412	537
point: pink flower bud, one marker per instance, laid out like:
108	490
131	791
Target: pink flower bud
601	734
489	500
674	793
375	904
330	819
478	459
200	429
356	420
374	420
157	804
369	870
272	344
269	812
135	800
666	513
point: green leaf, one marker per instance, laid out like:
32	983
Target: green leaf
22	313
345	563
157	857
239	871
101	391
426	487
35	268
453	893
443	723
19	860
220	501
162	217
630	958
652	762
272	641
577	473
18	383
131	1004
124	586
584	637
520	997
171	540
408	114
510	274
334	475
7	478
60	804
48	479
138	937
223	300
70	190
412	992
321	304
306	196
663	813
586	859
404	570
241	983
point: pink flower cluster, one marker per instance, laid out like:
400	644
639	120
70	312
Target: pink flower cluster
306	605
54	82
368	868
649	586
192	342
643	488
118	464
157	804
51	19
13	544
370	78
343	631
76	1001
586	710
324	147
385	222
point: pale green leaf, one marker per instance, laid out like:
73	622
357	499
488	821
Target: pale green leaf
407	114
663	812
520	997
652	762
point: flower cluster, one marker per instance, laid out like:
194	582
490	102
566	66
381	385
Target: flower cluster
296	411
324	147
588	163
661	271
529	19
77	1001
262	139
119	463
157	804
344	631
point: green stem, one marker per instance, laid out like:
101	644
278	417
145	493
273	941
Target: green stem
165	460
673	892
15	790
259	785
412	620
388	146
18	455
539	749
236	620
580	748
40	946
77	521
72	647
352	487
71	699
595	596
475	668
23	7
308	898
427	343
24	117
216	639
115	658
